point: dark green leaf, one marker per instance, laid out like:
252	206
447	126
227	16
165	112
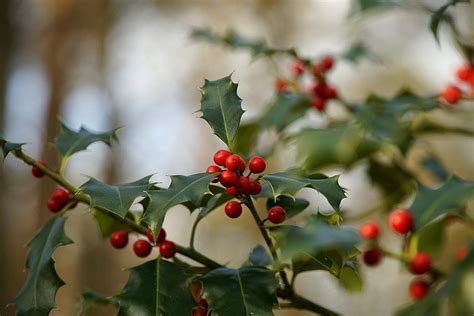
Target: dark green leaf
260	256
69	142
88	299
8	147
440	15
436	168
429	239
157	287
182	189
357	51
248	291
37	296
246	139
349	276
213	203
107	224
286	109
369	5
221	108
292	206
451	196
115	198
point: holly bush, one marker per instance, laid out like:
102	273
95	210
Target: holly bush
380	132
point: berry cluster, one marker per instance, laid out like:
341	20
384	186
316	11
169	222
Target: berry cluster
319	91
59	199
142	248
454	92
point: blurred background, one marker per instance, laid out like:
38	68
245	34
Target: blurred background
109	63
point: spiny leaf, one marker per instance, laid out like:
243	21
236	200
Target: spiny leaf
439	15
8	147
157	287
182	189
246	139
221	108
69	142
260	256
247	291
432	203
115	198
88	299
37	296
286	109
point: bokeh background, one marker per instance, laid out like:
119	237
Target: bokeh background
132	63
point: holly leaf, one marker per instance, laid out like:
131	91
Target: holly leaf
89	299
115	198
451	196
260	256
436	168
349	276
288	107
290	182
246	139
37	296
369	5
107	224
292	207
249	290
182	189
440	15
157	287
214	202
69	142
357	51
8	147
429	239
221	108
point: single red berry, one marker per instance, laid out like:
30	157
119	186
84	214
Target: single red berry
161	236
461	253
257	164
451	94
54	206
235	163
233	191
228	178
319	88
326	64
213	169
37	172
245	185
330	92
142	248
199	311
418	289
203	303
372	257
318	103
369	231
119	239
276	215
298	68
220	156
256	188
400	221
280	85
167	249
464	72
61	196
233	209
420	263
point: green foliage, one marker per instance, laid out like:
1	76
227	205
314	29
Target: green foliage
214	202
115	198
37	296
246	139
292	206
249	290
89	299
8	147
182	189
429	239
440	15
436	168
157	287
369	5
260	256
358	51
221	108
287	108
107	224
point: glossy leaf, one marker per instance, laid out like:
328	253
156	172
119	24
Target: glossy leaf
260	256
157	287
286	109
249	291
8	147
107	224
182	189
37	296
429	239
292	207
246	139
221	108
115	198
349	276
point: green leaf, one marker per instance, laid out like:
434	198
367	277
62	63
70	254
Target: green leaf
115	198
8	147
451	196
287	108
314	238
260	256
292	207
37	296
357	51
182	189
350	278
436	168
290	182
89	299
246	139
107	224
249	291
429	239
69	142
213	203
440	15
221	108
157	287
369	5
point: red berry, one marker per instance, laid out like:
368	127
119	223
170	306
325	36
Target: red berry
464	72
228	178
220	157
319	88
280	85
298	68
142	248
167	249
119	239
199	311
37	172
233	209
235	163
257	164
245	185
369	231
233	191
400	221
256	188
316	71
54	206
61	196
418	289
203	303
330	92
276	215
461	254
420	263
326	64
451	94
161	236
213	169
318	103
372	257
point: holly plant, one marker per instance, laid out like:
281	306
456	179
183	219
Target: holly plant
379	133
